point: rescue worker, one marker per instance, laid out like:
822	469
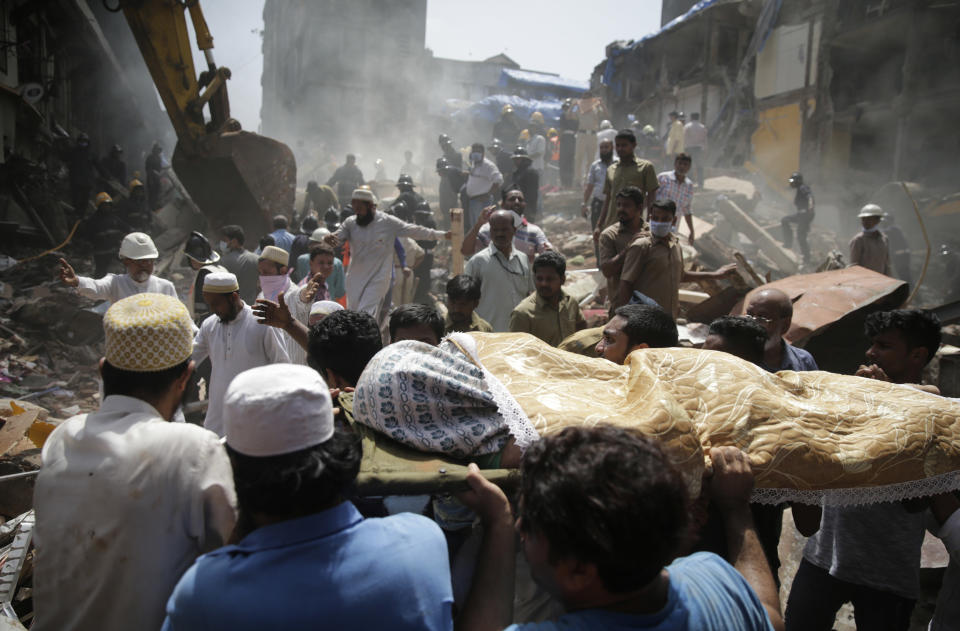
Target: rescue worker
525	178
139	255
346	178
114	166
319	198
371	235
569	124
82	170
134	208
500	156
203	260
407	201
103	230
805	204
148	496
870	248
507	127
452	180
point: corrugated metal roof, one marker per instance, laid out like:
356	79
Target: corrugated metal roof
541	79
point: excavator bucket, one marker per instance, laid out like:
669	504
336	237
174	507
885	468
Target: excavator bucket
239	178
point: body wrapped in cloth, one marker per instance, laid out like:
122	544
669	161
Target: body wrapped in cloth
812	437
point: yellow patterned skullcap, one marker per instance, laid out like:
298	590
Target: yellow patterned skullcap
147	333
275	254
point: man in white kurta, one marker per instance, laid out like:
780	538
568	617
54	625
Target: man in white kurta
274	269
139	255
371	235
233	340
126	500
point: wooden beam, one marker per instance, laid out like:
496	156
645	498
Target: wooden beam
456	241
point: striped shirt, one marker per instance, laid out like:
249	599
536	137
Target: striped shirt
680	192
529	239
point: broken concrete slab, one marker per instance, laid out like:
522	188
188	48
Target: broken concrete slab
784	259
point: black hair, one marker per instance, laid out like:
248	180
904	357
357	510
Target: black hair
317	249
344	342
300	483
266	240
608	496
351	157
463	287
742	335
647	324
683	157
553	259
309	224
478	146
510	189
626	134
665	204
415	314
279	222
695	116
141	385
919	327
631	192
233	231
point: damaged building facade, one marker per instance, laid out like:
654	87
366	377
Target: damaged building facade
65	68
853	93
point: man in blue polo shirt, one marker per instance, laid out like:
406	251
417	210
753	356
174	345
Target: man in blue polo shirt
774	311
308	558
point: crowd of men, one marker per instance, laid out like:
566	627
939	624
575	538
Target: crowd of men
253	521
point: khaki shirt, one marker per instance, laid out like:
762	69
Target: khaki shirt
551	324
623	174
477	324
654	267
614	240
871	250
583	342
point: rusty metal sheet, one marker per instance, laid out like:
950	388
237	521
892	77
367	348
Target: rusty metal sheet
821	299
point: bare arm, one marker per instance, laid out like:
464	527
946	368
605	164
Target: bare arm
730	491
689	219
489	604
469	246
276	314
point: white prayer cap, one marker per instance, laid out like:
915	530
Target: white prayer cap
220	283
275	254
364	193
325	307
277	409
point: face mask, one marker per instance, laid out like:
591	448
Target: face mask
476	157
272	286
660	228
223	246
870	230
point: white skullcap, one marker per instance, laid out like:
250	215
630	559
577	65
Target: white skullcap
325	307
220	283
365	194
275	254
277	409
147	333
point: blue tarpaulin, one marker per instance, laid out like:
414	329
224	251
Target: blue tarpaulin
489	109
509	77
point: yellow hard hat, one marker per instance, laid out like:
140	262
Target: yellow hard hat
536	117
101	198
552	132
525	134
134	183
506	109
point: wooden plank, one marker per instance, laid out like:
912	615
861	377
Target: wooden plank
456	240
744	223
15	428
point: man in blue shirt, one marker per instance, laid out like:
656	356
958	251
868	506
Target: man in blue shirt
773	309
282	238
601	514
307	558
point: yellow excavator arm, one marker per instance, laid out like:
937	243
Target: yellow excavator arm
234	176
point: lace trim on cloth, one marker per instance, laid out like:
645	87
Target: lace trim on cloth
935	485
522	430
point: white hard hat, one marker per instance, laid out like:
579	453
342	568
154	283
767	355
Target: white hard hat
138	246
605	124
871	210
318	235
